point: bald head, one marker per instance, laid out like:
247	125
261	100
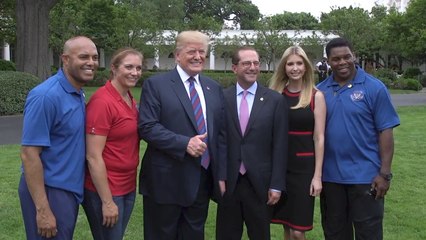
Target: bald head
80	60
74	42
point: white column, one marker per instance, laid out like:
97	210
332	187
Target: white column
101	58
157	58
212	59
324	53
6	51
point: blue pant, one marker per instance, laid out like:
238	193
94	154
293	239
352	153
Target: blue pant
63	204
92	205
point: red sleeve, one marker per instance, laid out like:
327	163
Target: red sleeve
98	117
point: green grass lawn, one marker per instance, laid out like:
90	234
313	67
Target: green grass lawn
405	208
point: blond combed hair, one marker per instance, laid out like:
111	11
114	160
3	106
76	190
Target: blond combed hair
280	78
187	37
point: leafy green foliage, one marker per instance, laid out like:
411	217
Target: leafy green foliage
294	21
385	73
412	73
7	65
14	90
408	84
355	25
7	23
65	19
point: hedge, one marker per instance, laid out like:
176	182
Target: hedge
14	89
412	72
7	65
224	78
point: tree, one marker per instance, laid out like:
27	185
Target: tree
65	21
415	47
32	50
353	24
175	14
97	23
270	42
7	23
294	21
223	48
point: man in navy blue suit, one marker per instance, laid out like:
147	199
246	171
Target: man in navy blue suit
257	152
184	165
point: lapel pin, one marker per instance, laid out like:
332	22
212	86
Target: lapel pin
261	99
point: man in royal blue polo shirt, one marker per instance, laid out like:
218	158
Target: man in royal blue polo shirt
53	145
358	148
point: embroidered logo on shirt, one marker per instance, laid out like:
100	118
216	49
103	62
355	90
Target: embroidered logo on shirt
357	96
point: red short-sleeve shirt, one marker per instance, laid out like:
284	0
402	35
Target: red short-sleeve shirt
107	114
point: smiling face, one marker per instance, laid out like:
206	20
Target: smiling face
295	68
342	62
128	72
191	57
247	69
80	61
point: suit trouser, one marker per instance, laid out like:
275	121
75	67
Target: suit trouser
346	208
243	205
175	222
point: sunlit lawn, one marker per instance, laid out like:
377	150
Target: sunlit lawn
405	209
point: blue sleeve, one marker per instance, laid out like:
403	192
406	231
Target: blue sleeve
38	120
384	113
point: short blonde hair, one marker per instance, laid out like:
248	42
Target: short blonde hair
186	37
280	79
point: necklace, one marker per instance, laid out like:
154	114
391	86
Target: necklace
127	99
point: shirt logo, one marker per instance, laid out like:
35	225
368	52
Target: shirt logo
357	96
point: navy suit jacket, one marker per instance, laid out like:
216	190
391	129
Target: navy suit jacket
166	122
263	148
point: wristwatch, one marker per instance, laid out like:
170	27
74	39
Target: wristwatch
387	176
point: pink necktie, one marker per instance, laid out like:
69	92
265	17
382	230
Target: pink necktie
244	117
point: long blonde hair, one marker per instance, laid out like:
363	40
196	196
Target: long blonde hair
280	79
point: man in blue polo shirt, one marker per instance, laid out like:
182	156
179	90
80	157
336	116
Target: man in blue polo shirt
53	145
358	148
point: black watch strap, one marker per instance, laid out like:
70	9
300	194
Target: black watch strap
387	176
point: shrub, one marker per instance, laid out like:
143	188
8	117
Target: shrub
423	80
7	65
385	73
226	79
408	84
412	73
100	78
388	82
14	90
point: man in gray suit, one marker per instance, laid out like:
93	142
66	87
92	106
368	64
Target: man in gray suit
257	152
182	118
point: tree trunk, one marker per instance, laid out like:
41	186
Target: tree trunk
32	31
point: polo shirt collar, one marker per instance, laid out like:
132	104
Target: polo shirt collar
66	85
114	93
359	78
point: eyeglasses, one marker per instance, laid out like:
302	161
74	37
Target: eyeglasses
248	64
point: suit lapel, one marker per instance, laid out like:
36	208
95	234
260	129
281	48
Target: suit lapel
231	99
258	103
180	90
